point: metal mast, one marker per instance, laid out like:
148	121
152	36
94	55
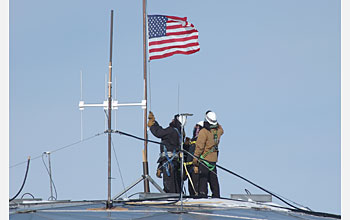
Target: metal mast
109	201
144	156
110	105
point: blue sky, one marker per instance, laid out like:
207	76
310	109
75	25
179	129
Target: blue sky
269	69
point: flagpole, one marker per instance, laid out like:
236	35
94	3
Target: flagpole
144	156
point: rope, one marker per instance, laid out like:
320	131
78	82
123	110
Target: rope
69	145
24	181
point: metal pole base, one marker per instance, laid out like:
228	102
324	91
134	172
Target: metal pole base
109	204
178	211
143	177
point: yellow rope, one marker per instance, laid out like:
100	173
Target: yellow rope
189	176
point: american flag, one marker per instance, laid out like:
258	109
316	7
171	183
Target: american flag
169	35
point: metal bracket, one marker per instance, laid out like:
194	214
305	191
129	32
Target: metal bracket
115	104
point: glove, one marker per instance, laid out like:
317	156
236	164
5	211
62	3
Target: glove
195	169
159	173
195	162
150	115
187	141
151	119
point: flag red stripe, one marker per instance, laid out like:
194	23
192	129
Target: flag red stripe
182	32
172	53
173	40
174	27
175	46
177	18
172	21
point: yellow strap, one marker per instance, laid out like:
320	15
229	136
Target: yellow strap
189	177
188	163
193	142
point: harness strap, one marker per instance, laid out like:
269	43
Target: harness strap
178	132
170	154
209	165
169	160
215	146
166	154
212	149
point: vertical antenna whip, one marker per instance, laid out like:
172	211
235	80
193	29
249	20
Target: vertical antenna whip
178	98
106	98
81	99
115	95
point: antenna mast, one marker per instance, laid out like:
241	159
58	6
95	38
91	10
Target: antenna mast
110	105
109	201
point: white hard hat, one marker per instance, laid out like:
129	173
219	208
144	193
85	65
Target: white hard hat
200	123
211	118
181	119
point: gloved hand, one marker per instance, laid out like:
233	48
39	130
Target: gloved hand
195	169
159	173
187	141
151	119
195	162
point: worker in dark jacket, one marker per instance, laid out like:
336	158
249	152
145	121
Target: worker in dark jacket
193	181
207	149
169	152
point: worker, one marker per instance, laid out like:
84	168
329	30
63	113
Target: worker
207	149
169	164
193	181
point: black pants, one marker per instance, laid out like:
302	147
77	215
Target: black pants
206	176
172	183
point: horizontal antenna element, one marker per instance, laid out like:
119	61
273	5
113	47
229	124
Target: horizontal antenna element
115	104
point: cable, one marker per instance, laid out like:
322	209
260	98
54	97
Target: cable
50	175
133	136
123	133
69	145
231	172
296	209
24	181
28	194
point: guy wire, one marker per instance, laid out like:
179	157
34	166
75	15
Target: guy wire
120	172
69	145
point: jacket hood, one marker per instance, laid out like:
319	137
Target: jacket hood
175	123
209	126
